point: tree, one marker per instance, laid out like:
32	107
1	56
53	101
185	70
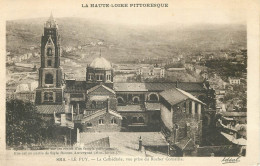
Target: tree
23	125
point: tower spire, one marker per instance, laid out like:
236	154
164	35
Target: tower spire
51	16
100	52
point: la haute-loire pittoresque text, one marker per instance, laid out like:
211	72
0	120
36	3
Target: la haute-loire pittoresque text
134	5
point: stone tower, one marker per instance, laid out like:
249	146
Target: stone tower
50	89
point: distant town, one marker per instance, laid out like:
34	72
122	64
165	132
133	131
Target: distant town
190	104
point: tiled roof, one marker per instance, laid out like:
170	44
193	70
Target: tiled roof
75	86
152	106
78	117
175	96
158	86
99	113
231	114
126	139
49	109
129	108
93	115
190	96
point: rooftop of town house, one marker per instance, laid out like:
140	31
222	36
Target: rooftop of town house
234	114
186	144
231	138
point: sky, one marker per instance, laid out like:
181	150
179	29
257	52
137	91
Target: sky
184	11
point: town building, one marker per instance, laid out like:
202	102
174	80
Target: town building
234	80
148	72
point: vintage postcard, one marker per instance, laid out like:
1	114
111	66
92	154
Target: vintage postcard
105	82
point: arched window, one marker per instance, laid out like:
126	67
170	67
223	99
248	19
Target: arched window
113	121
120	100
48	79
93	104
140	120
49	52
153	97
136	99
101	121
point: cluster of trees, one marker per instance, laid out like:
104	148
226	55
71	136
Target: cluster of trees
226	68
23	124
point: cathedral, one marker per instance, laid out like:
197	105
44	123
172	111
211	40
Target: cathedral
99	104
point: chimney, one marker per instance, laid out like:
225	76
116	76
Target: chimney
176	83
78	136
63	120
140	143
108	104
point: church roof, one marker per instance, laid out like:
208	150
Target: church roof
130	87
157	86
101	63
175	96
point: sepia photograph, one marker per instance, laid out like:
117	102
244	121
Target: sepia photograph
162	81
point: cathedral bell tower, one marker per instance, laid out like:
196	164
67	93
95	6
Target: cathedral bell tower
50	90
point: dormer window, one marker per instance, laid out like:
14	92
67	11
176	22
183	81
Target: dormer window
90	77
99	77
109	77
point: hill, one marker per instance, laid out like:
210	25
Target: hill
121	42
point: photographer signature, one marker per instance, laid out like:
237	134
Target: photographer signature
227	160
